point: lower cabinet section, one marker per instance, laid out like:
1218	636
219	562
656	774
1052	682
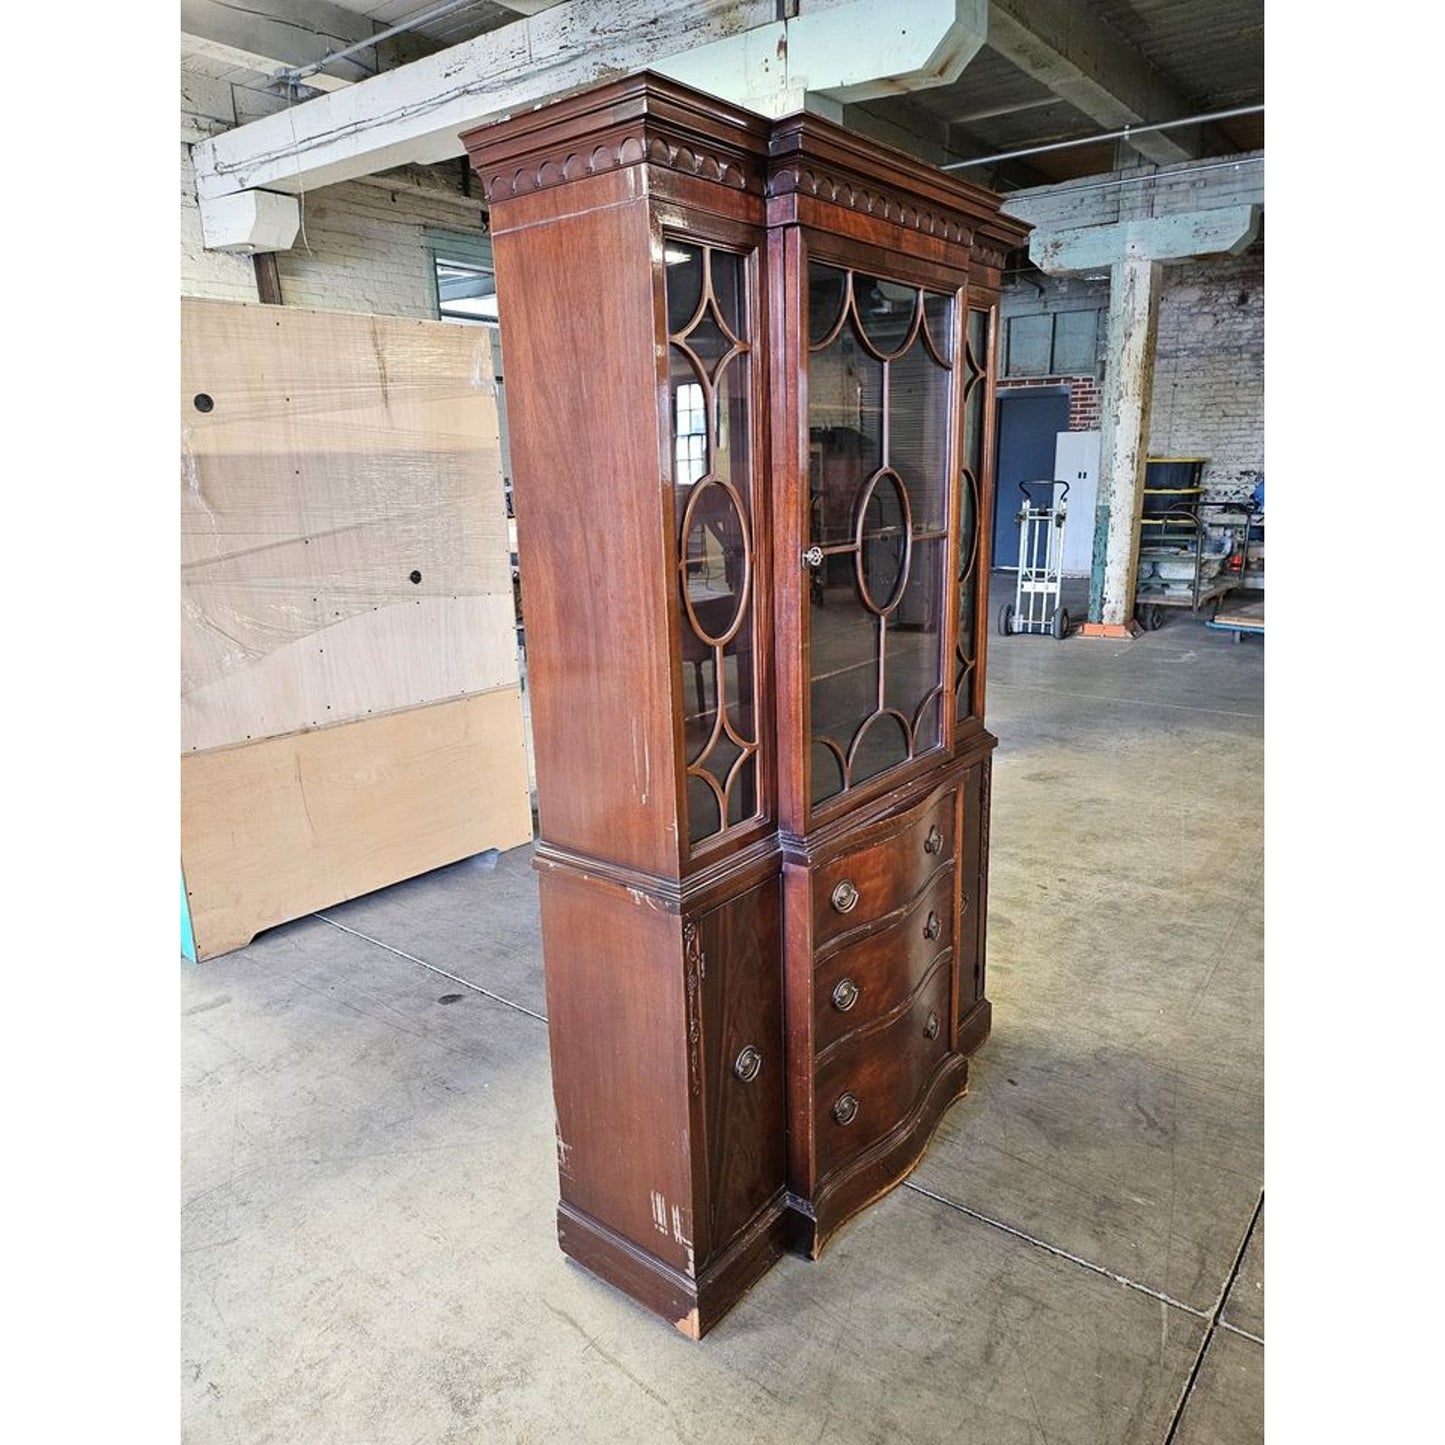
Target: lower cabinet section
745	1072
668	1072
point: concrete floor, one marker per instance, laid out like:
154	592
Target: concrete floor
369	1176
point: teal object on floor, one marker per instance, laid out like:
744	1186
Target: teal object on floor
188	937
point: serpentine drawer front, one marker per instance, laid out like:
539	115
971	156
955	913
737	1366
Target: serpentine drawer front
868	1083
869	884
859	982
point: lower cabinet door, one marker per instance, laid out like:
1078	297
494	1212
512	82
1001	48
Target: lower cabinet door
741	987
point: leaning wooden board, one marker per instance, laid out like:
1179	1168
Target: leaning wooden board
277	829
350	712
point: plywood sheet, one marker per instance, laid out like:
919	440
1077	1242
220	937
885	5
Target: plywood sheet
273	830
344	548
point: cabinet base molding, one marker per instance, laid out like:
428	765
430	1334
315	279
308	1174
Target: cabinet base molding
694	1305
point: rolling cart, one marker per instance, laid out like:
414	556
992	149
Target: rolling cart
1035	607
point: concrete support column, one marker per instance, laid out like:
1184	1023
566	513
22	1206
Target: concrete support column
1128	387
1133	250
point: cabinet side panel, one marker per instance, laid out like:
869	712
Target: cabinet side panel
742	987
617	1023
587	464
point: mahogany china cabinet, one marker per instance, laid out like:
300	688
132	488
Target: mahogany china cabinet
750	371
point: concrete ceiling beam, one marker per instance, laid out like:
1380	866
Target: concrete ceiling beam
1064	46
416	112
1224	230
842	55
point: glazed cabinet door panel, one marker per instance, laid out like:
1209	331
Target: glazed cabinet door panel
734	950
880	459
712	380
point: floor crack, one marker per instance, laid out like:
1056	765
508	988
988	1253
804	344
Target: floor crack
1215	1322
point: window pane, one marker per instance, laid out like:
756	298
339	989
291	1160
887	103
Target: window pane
1029	339
1074	333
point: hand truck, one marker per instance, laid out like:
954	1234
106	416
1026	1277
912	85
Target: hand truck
1041	557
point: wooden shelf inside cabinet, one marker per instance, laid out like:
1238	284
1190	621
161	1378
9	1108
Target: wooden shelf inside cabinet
755	610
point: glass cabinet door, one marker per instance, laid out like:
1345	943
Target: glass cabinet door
710	349
880	380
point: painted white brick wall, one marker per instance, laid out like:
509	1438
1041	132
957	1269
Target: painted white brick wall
212	274
362	248
1209	369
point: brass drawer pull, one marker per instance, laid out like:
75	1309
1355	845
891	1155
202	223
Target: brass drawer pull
934	841
846	1109
930	1029
845	995
933	927
845	897
748	1064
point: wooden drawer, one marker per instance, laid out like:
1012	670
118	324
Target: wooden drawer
885	873
859	983
868	1083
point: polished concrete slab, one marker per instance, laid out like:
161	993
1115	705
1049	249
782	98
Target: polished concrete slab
369	1175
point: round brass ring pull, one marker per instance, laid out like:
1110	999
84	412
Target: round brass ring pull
934	841
748	1064
845	897
846	1109
933	927
930	1029
845	995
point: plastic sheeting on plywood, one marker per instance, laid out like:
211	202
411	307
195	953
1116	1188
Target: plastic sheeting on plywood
344	543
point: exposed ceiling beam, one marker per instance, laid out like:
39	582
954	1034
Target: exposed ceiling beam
994	112
1063	45
923	133
846	49
282	35
418	111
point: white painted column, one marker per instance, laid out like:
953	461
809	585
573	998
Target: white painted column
1128	387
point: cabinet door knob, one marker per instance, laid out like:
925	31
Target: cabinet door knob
845	897
930	1029
933	927
934	841
748	1064
846	1109
845	995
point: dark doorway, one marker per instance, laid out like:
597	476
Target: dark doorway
1029	423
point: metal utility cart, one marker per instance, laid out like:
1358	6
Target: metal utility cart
1181	564
1035	607
1187	546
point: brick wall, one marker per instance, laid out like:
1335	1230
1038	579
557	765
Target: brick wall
1209	369
363	248
1083	397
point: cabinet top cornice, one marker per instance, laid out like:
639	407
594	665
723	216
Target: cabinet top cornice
646	119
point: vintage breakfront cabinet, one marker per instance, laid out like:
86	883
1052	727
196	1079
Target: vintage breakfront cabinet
749	371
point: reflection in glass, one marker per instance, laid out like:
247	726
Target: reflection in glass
827	291
879	406
711	379
887	312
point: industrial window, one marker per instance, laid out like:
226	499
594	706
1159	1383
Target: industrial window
464	282
1061	343
691	434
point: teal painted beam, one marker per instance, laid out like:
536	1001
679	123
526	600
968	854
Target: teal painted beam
1221	230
